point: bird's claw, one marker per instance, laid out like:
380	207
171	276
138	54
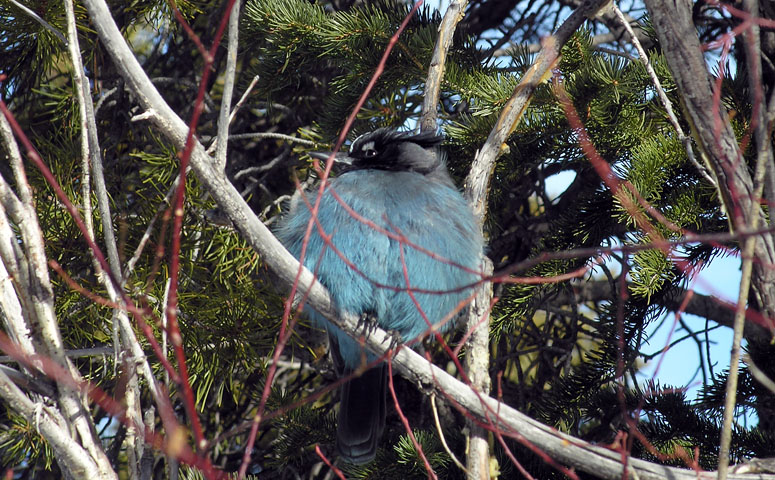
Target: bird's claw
367	323
394	337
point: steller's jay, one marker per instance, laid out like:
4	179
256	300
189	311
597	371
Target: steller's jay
392	180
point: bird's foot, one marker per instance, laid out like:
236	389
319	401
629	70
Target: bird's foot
367	323
395	339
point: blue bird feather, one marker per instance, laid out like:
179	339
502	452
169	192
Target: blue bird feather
395	183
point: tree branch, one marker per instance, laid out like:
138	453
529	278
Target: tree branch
706	306
576	453
452	17
228	88
714	135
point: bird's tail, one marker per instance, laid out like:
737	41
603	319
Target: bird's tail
362	415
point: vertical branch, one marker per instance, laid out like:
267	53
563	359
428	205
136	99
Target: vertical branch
11	274
478	346
477	365
222	140
122	328
476	187
25	256
763	160
734	360
452	17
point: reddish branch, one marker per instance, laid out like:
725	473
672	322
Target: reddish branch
173	328
285	333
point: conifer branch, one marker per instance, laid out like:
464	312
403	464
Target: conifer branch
686	141
476	187
40	20
598	460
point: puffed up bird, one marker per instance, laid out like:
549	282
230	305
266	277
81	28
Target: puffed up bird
395	180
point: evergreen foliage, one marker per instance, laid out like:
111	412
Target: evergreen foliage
564	359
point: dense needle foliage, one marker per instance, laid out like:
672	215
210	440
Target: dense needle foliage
566	353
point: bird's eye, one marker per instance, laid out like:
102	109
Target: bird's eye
370	153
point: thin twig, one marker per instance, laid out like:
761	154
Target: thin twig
441	435
685	141
38	19
407	427
758	374
165	204
734	360
233	114
764	157
243	99
280	136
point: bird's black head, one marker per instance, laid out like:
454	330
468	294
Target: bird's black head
386	149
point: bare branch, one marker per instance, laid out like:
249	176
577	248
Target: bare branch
69	453
243	98
758	374
279	136
478	179
452	17
228	88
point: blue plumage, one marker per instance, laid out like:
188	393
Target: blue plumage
394	182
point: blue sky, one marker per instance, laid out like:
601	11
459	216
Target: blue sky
721	278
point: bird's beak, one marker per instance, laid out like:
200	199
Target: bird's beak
341	159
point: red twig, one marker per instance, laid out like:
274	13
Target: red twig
137	314
330	465
171	444
178	204
324	177
407	427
